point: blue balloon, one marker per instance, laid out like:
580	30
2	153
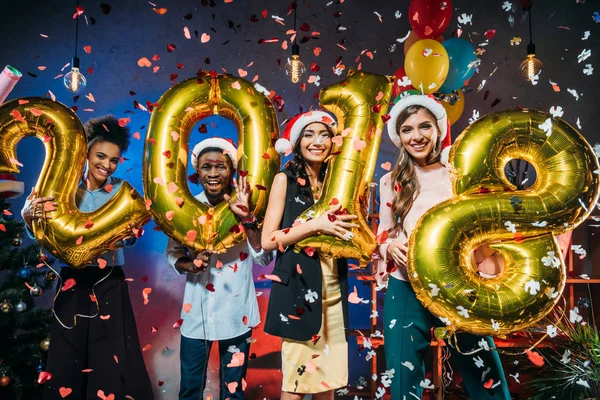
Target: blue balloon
462	56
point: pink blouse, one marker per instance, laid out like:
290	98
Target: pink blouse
436	187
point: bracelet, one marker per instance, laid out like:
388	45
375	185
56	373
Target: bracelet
250	223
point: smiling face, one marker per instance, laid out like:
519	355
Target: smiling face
103	160
215	172
419	134
315	144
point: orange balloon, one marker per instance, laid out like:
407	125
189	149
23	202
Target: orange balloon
454	111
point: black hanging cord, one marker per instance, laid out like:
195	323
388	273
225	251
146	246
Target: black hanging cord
76	27
295	8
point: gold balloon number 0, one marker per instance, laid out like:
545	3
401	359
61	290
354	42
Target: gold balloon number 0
520	225
171	204
359	103
73	236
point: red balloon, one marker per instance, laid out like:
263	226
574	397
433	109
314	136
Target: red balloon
429	18
399	85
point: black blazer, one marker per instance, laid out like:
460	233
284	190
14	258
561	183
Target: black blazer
289	315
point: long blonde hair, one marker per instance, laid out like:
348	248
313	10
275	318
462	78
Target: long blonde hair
404	174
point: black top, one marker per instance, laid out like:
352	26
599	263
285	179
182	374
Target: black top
289	314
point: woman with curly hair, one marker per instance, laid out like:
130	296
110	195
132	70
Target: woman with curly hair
96	354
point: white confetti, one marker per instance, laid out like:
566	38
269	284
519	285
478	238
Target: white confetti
475	117
277	18
588	70
586	35
579	250
551	330
463	312
392	323
378	16
483	344
404	82
574	93
597	149
546	126
262	89
426	384
578	123
397	14
516	376
540	224
551	293
566	357
465	19
401	40
574	316
311	296
495	325
434	289
432	85
507	6
583	383
374	314
535	78
408	365
584	55
446	321
478	362
283	318
510	226
233	349
532	287
556	111
551	260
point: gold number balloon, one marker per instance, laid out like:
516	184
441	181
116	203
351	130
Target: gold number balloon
359	102
73	236
520	225
174	209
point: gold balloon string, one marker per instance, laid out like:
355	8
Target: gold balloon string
60	282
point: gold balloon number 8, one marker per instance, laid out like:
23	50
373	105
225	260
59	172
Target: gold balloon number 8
73	236
173	207
520	225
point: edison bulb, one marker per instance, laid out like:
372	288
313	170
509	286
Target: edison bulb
294	69
74	80
531	67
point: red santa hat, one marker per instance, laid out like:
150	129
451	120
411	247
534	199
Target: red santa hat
436	108
10	187
226	145
294	128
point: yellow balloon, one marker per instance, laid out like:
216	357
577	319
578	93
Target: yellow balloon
520	225
426	64
66	149
454	111
413	38
174	208
359	102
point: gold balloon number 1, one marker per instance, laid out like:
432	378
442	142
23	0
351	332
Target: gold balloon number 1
170	202
73	236
519	224
359	103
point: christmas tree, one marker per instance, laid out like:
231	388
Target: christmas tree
24	329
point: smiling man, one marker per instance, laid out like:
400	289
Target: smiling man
219	303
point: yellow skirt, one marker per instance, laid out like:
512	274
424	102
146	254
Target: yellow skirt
320	367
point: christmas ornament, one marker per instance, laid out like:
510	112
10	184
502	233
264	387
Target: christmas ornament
44	377
5	306
25	273
5	381
36	291
51	276
45	344
21	306
17	241
40	367
8	217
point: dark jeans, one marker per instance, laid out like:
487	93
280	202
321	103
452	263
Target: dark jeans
194	361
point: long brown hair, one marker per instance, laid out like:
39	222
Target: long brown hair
405	184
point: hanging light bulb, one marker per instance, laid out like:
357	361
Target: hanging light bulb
531	68
294	69
74	79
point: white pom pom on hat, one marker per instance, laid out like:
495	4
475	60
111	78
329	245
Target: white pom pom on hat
294	128
226	145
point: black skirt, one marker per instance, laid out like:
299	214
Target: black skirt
98	354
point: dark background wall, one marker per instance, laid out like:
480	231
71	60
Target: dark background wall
132	30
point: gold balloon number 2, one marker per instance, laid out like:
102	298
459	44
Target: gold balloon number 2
520	225
173	207
73	236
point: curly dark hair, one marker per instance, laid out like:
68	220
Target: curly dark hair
107	129
297	165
